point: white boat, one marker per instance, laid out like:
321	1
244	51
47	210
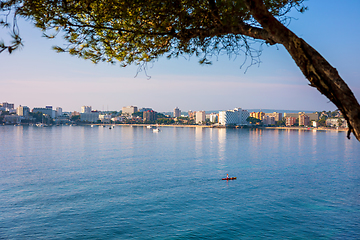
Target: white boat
92	125
149	126
156	130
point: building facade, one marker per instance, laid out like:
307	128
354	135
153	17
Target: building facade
7	105
85	109
312	116
105	118
23	111
149	116
129	110
47	110
268	120
91	117
290	121
213	117
191	114
200	117
304	120
257	115
58	112
237	116
277	116
177	112
336	122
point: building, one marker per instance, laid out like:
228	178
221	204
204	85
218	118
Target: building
85	109
200	117
237	116
149	116
290	121
117	119
191	114
62	119
312	116
7	106
213	117
277	116
304	120
47	110
336	122
91	117
105	118
177	112
268	120
315	124
58	112
258	115
129	110
23	111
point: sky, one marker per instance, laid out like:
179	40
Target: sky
37	76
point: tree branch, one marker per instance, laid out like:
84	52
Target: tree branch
314	67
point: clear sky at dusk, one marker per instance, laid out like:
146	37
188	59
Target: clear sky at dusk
37	76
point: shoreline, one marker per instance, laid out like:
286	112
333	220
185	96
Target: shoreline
237	127
212	126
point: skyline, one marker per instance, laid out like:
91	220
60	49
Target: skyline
37	76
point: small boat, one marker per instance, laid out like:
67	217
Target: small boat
229	178
156	130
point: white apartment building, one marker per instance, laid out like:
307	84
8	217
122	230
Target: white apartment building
213	117
129	110
85	109
336	122
23	111
104	118
237	116
200	117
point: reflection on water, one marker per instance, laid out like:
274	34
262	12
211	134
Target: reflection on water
129	183
221	143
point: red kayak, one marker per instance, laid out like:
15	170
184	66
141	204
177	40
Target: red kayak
230	178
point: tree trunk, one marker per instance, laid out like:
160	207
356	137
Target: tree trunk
316	69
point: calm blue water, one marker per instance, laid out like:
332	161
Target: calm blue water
130	183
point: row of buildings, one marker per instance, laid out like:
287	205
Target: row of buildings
236	116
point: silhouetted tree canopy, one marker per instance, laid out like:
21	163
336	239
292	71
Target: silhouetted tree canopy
138	32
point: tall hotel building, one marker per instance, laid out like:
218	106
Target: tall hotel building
200	116
177	112
237	116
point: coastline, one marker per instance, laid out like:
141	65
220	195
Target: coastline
239	127
309	129
212	126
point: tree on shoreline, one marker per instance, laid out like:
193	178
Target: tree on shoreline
138	32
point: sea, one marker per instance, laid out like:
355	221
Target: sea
83	182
